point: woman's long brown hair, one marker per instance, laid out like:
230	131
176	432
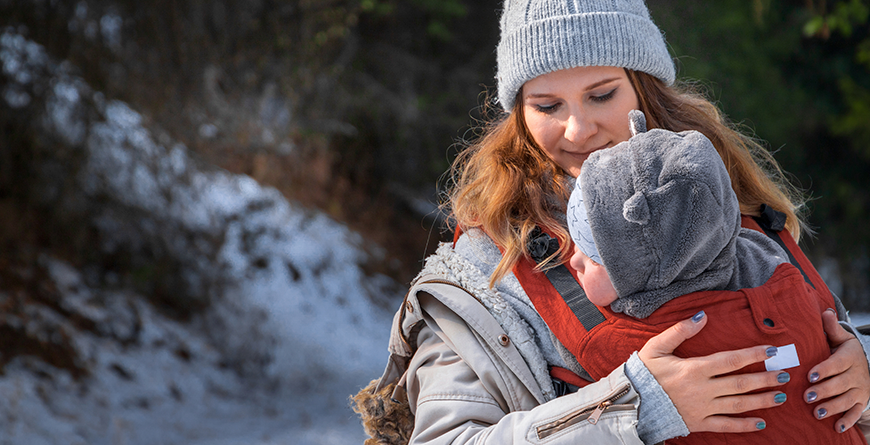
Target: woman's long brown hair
506	185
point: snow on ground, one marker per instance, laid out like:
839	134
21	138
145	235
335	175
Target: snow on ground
289	335
169	388
860	318
306	311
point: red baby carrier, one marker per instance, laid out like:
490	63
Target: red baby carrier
789	303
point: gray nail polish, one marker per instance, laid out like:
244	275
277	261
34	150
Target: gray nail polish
761	425
821	413
779	398
812	396
814	377
698	317
771	351
783	377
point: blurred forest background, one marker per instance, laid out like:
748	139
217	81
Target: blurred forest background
353	108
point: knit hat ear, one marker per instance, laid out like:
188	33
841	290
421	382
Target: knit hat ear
636	209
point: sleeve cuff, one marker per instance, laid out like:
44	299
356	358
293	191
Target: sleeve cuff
658	418
865	343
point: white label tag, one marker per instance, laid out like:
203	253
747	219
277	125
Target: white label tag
786	357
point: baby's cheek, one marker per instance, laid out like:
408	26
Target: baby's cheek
598	299
598	287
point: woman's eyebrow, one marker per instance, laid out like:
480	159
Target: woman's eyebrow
601	82
539	95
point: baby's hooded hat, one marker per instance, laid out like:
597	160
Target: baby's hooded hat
663	216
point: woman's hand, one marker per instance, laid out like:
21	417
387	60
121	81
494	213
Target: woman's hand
843	378
702	396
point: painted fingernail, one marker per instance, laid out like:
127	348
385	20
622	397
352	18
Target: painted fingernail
780	398
814	377
812	396
831	310
842	427
783	377
698	317
771	351
821	413
760	425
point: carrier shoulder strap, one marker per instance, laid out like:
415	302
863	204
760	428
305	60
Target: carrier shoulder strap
772	224
559	299
561	288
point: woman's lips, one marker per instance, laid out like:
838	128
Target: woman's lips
584	154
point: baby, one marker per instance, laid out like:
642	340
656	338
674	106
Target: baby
658	237
662	212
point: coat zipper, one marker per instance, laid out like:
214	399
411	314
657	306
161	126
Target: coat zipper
591	414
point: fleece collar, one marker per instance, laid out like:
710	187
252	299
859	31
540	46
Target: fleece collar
448	264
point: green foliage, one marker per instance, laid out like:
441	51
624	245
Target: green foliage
736	49
442	12
797	76
863	53
338	18
377	7
419	69
854	123
846	15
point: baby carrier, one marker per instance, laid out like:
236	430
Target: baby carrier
776	313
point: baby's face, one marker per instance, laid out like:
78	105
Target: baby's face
593	279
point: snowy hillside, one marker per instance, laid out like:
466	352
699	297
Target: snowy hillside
288	332
171	388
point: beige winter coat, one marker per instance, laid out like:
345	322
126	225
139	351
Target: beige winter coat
467	382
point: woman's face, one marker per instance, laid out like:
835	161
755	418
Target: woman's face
574	112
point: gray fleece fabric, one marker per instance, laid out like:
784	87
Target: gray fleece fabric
666	221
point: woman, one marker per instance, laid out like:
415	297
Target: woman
478	356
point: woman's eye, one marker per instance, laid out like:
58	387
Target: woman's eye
546	109
604	97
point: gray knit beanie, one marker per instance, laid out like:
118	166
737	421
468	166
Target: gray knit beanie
541	36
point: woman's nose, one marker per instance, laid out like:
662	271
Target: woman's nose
578	129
